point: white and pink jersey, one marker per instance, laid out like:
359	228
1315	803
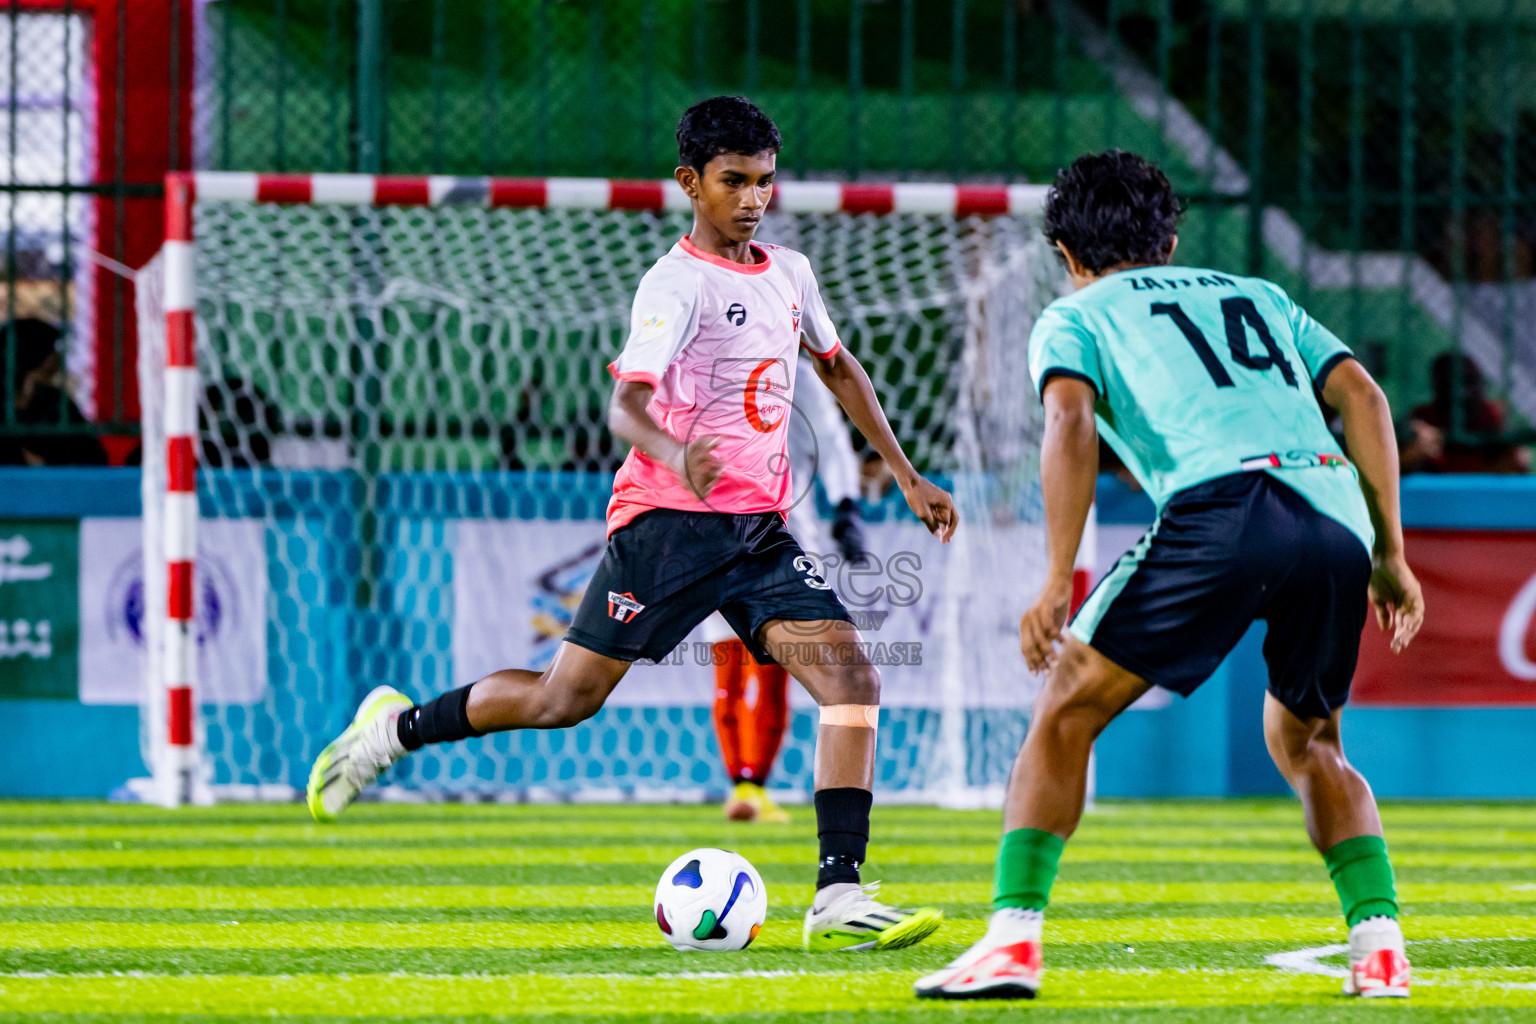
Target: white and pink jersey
718	341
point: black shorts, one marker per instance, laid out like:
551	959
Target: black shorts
666	570
1221	555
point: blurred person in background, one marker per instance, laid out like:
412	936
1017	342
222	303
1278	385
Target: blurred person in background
1458	384
32	369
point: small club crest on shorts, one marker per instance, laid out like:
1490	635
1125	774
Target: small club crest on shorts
623	607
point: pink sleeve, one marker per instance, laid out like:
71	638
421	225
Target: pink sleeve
820	334
663	318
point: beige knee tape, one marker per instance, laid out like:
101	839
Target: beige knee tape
856	716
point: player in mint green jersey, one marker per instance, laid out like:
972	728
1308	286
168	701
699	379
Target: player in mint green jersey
1210	388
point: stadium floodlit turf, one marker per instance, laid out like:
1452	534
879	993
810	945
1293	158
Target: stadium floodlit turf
1165	912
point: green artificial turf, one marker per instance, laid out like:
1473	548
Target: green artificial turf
1165	912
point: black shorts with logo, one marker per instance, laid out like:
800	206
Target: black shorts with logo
666	570
1221	555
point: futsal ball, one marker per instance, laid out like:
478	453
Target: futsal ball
710	900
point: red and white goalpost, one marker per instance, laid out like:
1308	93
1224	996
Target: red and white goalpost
176	775
935	286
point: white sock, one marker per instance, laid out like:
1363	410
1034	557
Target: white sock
1011	925
824	897
1373	933
392	732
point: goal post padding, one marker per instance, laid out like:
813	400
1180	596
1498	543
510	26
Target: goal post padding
376	415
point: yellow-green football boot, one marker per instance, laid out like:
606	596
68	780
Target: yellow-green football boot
351	761
848	917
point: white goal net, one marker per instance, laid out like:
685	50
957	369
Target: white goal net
403	471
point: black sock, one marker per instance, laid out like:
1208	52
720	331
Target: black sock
440	720
842	825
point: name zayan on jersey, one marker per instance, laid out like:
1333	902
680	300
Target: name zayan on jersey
1199	374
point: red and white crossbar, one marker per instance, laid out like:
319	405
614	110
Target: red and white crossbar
602	193
179	523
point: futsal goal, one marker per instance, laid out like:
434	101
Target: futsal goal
375	453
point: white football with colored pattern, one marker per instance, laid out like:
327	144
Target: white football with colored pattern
712	900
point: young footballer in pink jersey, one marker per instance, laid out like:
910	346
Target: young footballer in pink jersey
704	390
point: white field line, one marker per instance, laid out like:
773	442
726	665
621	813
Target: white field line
1305	961
1301	961
594	976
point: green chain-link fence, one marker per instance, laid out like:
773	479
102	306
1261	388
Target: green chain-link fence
1370	155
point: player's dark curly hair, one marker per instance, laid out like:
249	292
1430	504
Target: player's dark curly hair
724	124
1113	207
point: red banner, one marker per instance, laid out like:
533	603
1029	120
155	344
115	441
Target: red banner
1478	645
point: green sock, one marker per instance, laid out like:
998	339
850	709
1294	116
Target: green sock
1363	877
1026	867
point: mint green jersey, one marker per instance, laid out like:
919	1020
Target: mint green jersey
1200	374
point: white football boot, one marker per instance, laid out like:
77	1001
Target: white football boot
1378	965
1005	963
846	916
351	761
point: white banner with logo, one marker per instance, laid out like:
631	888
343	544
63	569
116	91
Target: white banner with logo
231	610
517	584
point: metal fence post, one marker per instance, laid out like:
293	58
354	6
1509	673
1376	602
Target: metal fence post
1407	149
751	71
1307	71
1213	127
1458	420
1256	15
1507	183
1010	90
1059	81
279	87
1164	75
439	113
8	386
370	86
908	88
1357	197
802	87
855	84
334	70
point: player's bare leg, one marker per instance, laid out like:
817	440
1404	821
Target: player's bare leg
1345	826
1082	694
1084	691
825	657
569	692
1336	799
387	726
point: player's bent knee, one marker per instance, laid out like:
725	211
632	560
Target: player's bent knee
566	716
1071	711
564	710
1323	755
1071	726
857	685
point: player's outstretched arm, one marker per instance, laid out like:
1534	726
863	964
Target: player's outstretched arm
1372	443
845	378
629	419
1069	471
